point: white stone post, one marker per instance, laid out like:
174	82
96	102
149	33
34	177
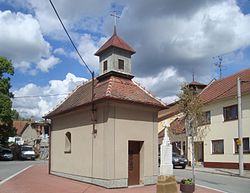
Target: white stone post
166	167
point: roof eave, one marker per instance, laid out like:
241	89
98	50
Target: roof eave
100	51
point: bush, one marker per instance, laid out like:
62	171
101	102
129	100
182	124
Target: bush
187	181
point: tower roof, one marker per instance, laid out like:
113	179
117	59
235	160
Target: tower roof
115	41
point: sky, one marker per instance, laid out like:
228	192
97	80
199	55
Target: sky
173	39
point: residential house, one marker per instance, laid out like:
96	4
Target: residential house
221	109
33	133
218	147
108	138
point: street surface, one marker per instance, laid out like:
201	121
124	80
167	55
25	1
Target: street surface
9	168
224	183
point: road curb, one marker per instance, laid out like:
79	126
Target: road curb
224	174
12	176
211	188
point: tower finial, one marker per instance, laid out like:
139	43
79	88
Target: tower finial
193	75
115	21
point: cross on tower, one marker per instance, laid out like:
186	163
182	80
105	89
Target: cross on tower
115	19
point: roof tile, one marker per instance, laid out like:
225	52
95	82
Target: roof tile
115	41
113	87
226	87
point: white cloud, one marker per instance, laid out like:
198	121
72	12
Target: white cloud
166	83
37	106
60	51
185	40
21	40
170	99
87	48
45	64
169	36
85	14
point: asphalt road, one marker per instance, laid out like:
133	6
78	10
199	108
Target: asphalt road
8	168
224	183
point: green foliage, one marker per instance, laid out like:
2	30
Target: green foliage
15	115
6	130
191	106
187	181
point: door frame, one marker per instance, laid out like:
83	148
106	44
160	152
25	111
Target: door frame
137	157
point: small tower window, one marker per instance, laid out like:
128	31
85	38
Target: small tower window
67	143
105	65
121	64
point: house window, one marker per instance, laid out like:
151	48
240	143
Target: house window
105	66
206	118
230	113
67	143
246	147
218	146
121	64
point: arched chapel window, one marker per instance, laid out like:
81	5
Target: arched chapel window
67	142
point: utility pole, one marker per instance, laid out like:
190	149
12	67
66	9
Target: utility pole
240	145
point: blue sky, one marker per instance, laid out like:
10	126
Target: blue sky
172	39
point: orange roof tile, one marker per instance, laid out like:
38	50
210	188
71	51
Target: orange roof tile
20	126
226	87
178	126
115	41
173	109
112	87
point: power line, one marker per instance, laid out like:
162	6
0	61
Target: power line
91	72
37	96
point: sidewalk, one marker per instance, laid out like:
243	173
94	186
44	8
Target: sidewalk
221	171
37	180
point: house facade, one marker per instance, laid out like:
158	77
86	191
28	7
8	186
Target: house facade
217	147
221	105
111	140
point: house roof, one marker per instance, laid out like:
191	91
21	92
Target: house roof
113	87
195	83
178	126
173	109
226	87
115	41
20	126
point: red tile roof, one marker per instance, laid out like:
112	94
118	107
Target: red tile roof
115	41
226	87
173	109
112	87
20	126
195	83
178	126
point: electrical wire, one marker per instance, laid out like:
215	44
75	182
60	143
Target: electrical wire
38	96
91	72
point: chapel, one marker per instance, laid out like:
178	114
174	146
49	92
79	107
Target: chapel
106	131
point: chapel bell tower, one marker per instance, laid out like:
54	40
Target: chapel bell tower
115	55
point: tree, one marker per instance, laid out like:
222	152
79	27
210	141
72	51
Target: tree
191	107
6	129
15	115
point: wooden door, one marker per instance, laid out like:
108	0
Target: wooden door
134	148
199	153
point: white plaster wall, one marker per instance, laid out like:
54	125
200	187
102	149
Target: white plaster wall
228	130
108	159
79	161
29	134
139	124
